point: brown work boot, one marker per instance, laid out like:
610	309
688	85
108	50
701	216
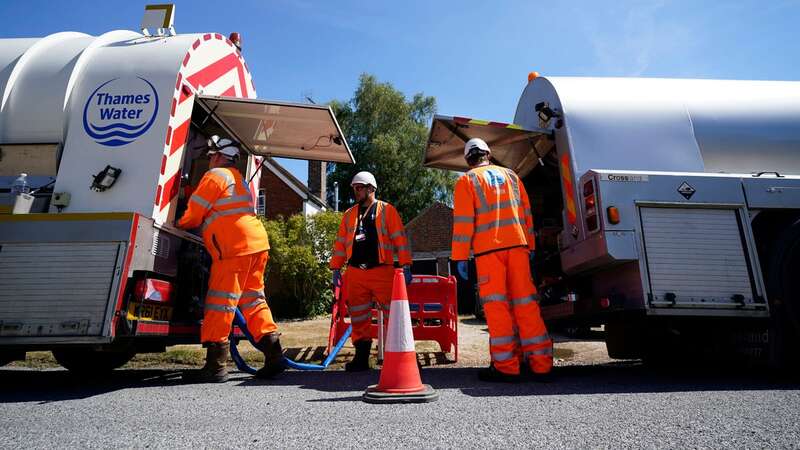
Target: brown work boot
215	370
360	361
274	364
492	375
527	374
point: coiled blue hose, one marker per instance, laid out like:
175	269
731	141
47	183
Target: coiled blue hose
238	319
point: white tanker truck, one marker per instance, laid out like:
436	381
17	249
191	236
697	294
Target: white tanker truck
664	208
111	130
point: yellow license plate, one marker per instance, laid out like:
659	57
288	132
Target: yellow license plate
147	311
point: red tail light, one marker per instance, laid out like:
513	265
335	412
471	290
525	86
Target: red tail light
153	290
590	206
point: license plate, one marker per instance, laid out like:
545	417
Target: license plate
146	311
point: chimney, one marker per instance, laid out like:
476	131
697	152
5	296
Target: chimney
317	178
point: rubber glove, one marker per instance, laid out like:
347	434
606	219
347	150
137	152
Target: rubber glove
407	274
337	278
463	270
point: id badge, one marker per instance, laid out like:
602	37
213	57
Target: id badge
360	237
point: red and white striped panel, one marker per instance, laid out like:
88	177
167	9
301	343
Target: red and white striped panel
212	66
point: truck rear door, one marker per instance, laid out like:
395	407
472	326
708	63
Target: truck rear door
277	129
512	146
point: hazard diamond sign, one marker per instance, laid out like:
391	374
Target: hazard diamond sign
686	190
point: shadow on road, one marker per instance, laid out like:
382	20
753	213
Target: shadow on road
46	386
613	378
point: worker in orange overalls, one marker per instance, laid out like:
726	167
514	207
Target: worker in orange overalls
222	206
370	235
492	217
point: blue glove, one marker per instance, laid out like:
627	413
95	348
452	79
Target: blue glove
531	258
463	270
337	278
407	274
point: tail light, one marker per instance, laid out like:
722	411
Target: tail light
236	39
153	290
613	215
590	206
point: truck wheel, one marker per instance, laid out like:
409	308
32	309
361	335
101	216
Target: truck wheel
90	361
624	339
9	357
783	289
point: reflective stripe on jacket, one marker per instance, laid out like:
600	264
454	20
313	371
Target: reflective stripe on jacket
392	240
222	206
491	212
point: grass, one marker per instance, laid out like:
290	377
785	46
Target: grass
304	341
194	356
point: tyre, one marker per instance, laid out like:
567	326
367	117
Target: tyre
783	290
90	361
624	339
9	357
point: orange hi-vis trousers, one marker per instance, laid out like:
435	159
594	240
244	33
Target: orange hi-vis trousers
237	281
512	312
362	286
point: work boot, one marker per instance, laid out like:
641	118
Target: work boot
215	370
527	374
492	375
360	361
274	364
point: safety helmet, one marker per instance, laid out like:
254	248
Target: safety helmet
225	146
475	145
364	177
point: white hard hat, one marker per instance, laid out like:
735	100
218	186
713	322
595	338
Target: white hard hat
222	145
475	144
364	177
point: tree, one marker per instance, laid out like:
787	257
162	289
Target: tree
387	134
297	272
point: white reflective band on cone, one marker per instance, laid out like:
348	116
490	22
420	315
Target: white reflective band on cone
400	337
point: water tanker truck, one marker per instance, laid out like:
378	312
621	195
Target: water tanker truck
111	132
666	210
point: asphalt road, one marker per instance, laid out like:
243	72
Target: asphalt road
598	406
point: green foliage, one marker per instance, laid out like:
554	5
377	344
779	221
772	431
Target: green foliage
297	274
387	135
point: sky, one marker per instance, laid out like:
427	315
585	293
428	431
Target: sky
473	57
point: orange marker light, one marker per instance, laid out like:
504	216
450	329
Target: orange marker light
532	76
613	215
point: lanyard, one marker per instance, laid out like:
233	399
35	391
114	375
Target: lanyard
361	217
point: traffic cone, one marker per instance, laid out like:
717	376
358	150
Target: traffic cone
400	381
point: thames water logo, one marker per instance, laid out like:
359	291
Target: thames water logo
120	110
494	178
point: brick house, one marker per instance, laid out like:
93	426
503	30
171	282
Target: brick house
282	194
430	235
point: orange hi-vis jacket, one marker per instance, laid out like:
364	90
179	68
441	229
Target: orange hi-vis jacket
223	206
392	238
492	212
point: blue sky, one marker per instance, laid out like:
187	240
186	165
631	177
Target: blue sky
473	57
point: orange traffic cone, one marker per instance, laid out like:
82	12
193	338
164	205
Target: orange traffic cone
400	381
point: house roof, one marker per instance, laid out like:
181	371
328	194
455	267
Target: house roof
432	230
292	181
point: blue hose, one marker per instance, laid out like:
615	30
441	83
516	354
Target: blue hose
238	319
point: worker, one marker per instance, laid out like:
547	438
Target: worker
492	218
370	236
222	205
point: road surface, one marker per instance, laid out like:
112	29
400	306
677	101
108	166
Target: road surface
608	405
